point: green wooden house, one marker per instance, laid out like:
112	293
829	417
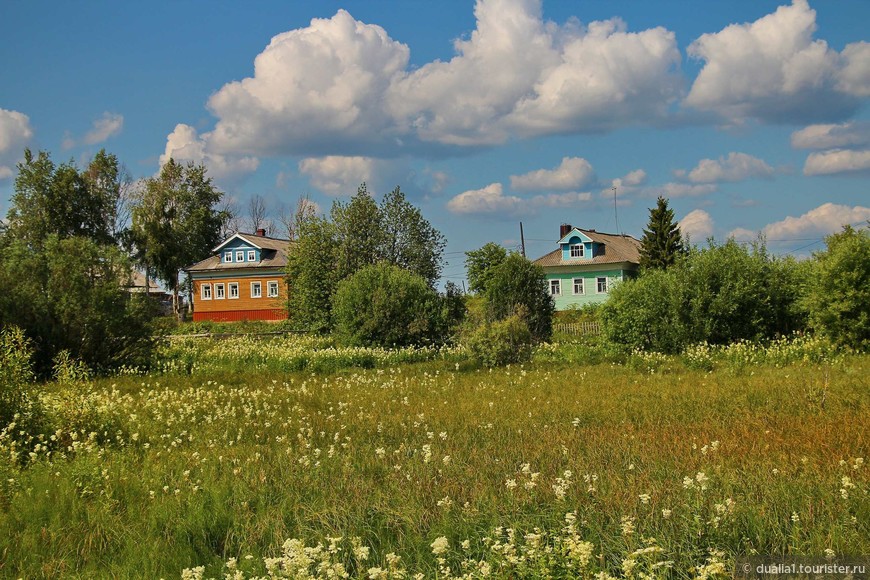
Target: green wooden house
587	264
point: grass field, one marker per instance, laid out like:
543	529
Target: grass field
553	469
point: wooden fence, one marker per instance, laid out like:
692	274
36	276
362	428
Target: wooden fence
578	328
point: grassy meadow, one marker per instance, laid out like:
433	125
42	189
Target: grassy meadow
241	465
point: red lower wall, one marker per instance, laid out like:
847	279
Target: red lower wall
239	315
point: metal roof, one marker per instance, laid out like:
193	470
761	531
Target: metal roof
617	248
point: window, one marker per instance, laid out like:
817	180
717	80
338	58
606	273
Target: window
578	286
228	256
256	289
555	287
273	289
234	289
252	256
576	250
205	291
219	292
240	256
602	285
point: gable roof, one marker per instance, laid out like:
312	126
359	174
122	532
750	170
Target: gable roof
273	254
618	248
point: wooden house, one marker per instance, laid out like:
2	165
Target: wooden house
587	264
242	280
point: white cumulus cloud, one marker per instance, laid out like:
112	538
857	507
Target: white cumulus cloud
742	234
335	175
697	225
851	134
823	220
488	201
572	173
314	90
184	144
343	87
837	161
774	70
559	200
673	189
15	133
735	167
109	125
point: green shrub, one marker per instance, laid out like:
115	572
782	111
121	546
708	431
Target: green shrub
716	295
16	374
384	305
517	283
502	342
839	291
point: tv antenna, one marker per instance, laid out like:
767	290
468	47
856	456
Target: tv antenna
615	211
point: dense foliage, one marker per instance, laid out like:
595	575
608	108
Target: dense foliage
176	221
501	342
16	376
356	235
662	242
70	295
384	305
517	283
65	201
717	295
480	264
839	290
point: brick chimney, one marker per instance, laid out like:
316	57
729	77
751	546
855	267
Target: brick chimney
261	232
564	229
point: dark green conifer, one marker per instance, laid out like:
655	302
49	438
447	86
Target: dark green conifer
662	241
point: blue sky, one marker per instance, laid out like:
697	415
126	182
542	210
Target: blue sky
750	116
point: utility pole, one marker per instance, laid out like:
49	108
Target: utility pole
522	240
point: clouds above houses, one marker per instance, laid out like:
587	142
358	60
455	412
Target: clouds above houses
826	219
343	87
734	167
845	147
775	71
572	173
185	144
15	134
697	225
108	125
837	161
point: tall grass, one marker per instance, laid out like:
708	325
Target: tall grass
555	468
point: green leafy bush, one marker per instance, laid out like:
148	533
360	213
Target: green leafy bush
716	295
16	374
502	342
839	292
384	305
517	283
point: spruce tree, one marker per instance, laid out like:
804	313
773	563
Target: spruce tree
662	241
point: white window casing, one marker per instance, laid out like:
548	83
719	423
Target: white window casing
233	290
577	250
240	256
579	286
273	288
252	256
256	289
601	285
555	287
228	257
219	292
205	291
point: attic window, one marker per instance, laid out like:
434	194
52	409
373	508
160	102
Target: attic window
240	256
252	256
228	256
576	250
